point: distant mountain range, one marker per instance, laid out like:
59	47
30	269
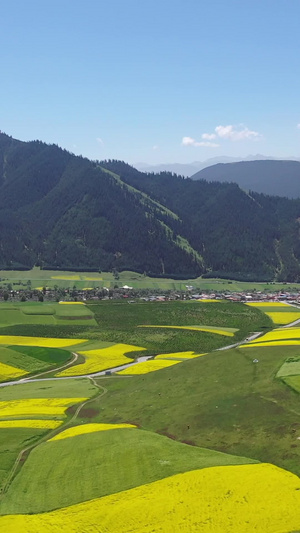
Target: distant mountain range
66	212
188	170
278	178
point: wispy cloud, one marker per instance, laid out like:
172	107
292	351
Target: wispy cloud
236	133
189	141
232	133
298	126
208	136
229	132
155	147
99	140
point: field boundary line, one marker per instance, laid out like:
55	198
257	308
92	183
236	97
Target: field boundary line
73	360
272	400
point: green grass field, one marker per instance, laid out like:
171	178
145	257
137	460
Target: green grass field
291	367
223	401
21	360
43	313
83	280
54	388
230	406
118	322
13	440
293	382
108	462
32	359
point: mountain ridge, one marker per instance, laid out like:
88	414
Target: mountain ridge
275	177
62	211
189	169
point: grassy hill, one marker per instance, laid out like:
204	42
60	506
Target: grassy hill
222	401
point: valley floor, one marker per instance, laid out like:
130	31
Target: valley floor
179	438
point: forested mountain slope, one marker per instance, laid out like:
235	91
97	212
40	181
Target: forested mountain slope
65	211
59	210
238	234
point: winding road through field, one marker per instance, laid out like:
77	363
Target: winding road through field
90	376
108	371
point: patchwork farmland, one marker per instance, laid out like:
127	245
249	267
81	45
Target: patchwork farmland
172	416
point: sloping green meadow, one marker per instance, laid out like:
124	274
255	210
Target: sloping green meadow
291	367
44	313
52	388
213	410
108	462
33	358
13	440
293	382
230	401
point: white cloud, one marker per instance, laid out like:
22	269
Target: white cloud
208	143
208	136
298	126
236	133
229	132
155	147
99	140
189	141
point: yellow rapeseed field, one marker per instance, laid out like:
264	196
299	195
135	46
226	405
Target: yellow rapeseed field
38	341
267	304
209	329
7	371
72	303
279	334
272	343
179	355
37	406
28	423
209	300
83	429
70	277
259	498
283	318
102	359
148	366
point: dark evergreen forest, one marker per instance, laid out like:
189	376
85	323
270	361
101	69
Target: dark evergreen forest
61	211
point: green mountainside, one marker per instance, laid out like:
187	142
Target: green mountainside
62	211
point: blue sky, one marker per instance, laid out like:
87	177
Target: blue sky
153	80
